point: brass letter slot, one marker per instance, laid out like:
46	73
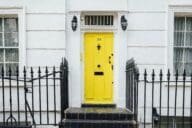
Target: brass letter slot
98	73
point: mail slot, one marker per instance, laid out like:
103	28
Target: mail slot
98	73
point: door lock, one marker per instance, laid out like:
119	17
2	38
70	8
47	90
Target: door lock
109	59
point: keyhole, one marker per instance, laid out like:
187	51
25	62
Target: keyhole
98	65
98	46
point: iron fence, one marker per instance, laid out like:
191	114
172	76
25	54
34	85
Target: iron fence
132	87
160	100
32	97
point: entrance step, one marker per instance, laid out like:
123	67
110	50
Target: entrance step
98	118
97	124
99	105
14	126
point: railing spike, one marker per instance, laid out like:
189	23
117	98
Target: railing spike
2	70
32	70
24	69
17	71
184	74
176	75
9	71
153	75
145	75
161	74
168	75
39	70
46	70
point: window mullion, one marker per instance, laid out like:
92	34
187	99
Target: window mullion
184	49
3	25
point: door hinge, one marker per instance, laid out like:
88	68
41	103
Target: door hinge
81	56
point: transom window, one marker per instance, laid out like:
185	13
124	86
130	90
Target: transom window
9	44
183	44
99	20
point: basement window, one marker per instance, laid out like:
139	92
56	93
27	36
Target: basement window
99	20
177	122
9	44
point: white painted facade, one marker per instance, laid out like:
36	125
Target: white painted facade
46	36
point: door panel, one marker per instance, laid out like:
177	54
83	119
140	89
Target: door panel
98	49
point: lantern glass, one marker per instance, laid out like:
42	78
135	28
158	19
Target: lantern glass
74	23
123	23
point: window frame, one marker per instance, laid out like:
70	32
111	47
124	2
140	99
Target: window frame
174	11
183	47
4	48
18	12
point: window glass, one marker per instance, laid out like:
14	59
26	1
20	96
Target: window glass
1	28
11	55
179	39
179	24
1	40
1	55
189	23
11	25
183	44
11	39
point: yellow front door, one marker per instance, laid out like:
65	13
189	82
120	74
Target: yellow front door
98	53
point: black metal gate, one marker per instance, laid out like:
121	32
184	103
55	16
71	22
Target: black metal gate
159	99
39	97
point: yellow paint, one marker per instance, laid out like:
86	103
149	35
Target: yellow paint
98	53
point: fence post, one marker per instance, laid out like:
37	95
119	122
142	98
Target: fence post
136	81
132	79
64	86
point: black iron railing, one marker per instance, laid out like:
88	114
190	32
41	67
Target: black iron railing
160	100
132	87
34	96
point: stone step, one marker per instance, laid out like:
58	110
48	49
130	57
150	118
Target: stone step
14	126
99	105
98	114
68	123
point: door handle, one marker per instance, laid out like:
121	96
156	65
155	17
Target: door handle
109	59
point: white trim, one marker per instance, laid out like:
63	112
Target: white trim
147	45
148	11
151	64
98	29
97	11
10	7
20	13
36	48
143	29
170	36
41	30
46	13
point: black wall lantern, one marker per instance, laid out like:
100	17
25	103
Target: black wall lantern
74	23
124	23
